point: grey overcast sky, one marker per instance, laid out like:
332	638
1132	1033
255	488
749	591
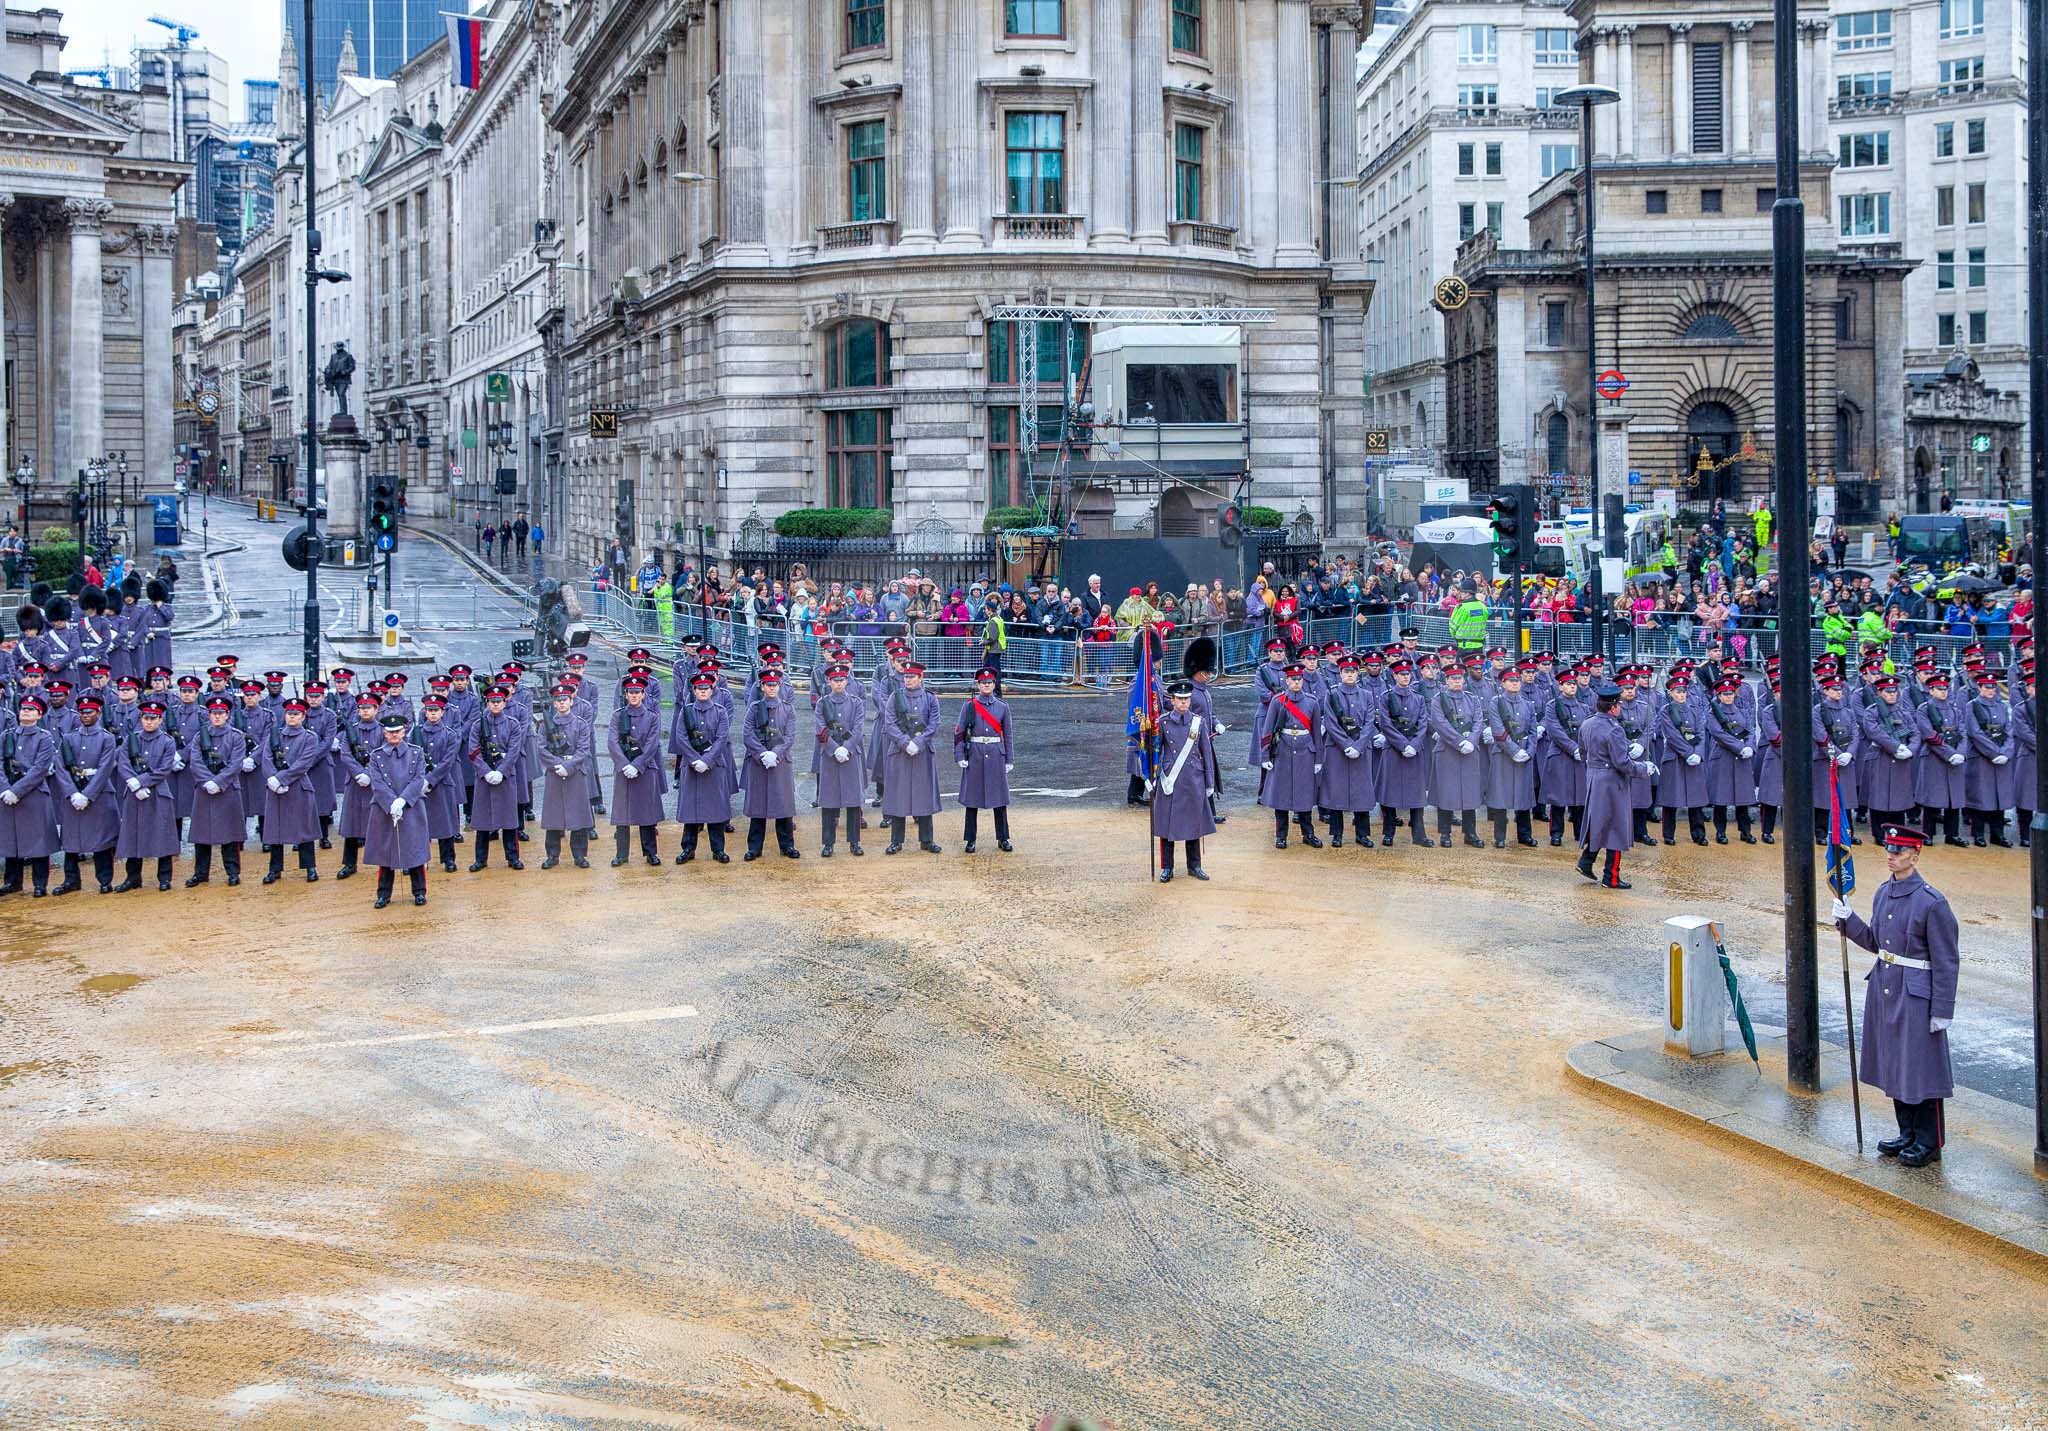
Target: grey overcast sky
245	33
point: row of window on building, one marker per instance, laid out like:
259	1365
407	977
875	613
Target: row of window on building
1872	29
1480	45
866	24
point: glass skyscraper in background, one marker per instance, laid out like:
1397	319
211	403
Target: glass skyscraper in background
387	33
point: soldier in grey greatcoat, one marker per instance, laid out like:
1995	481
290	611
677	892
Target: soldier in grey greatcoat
1891	740
910	783
1558	718
566	779
444	753
1636	715
286	759
639	775
1770	766
220	819
701	739
1682	741
1188	770
1290	734
1940	786
1403	775
149	815
1610	769
2024	753
1349	741
1511	751
839	760
398	821
1910	996
1731	751
1989	782
769	737
497	752
1837	737
28	805
357	735
87	759
985	750
1456	721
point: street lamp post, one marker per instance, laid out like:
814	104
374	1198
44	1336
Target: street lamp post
2037	454
1588	97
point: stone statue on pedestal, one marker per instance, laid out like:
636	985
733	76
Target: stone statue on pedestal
340	372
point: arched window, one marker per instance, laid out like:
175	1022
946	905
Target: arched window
1712	326
857	355
1557	440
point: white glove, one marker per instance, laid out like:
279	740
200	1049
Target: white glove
699	766
142	794
79	802
769	759
631	772
1655	770
212	788
428	788
1955	760
1265	765
1407	753
1379	742
1464	747
1840	911
1844	758
1318	770
133	783
910	748
840	755
494	777
248	763
1935	1026
1487	736
1904	752
177	762
334	745
1539	732
1221	728
963	765
1351	752
1692	760
363	778
1521	757
276	786
1998	759
8	797
1635	750
1748	752
1008	768
397	806
561	772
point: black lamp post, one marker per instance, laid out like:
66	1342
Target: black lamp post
1588	97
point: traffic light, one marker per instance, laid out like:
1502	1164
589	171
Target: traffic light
1513	514
1230	524
1613	526
384	512
78	509
622	513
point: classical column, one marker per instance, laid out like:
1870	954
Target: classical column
1681	89
1109	113
1603	73
1294	78
7	450
1738	89
1813	86
967	141
919	225
87	217
1148	109
744	113
1341	117
1625	81
159	389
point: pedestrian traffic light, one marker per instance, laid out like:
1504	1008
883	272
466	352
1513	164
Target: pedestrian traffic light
1513	515
384	510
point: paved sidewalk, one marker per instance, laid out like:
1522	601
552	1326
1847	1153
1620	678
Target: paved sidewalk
1984	1187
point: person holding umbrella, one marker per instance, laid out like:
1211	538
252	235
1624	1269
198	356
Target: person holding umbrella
1910	996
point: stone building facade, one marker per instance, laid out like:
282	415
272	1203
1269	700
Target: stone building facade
1928	119
784	226
88	256
1685	183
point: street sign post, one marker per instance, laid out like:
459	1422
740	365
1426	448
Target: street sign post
497	387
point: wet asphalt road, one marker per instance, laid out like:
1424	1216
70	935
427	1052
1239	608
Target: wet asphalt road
1071	751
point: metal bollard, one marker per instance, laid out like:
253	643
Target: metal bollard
1695	994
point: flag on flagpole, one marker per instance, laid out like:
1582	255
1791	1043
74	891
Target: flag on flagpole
1142	720
1841	866
466	51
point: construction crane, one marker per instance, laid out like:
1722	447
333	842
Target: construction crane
1051	492
102	73
183	34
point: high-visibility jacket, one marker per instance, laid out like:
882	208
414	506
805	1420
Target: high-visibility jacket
1468	624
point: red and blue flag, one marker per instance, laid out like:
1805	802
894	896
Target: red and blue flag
1841	865
466	51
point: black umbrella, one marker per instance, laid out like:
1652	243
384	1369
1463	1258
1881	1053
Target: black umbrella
1970	585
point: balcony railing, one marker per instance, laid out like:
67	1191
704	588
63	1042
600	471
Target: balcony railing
1199	235
1038	226
863	233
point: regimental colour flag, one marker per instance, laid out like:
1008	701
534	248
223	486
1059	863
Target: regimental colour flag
466	47
1841	864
